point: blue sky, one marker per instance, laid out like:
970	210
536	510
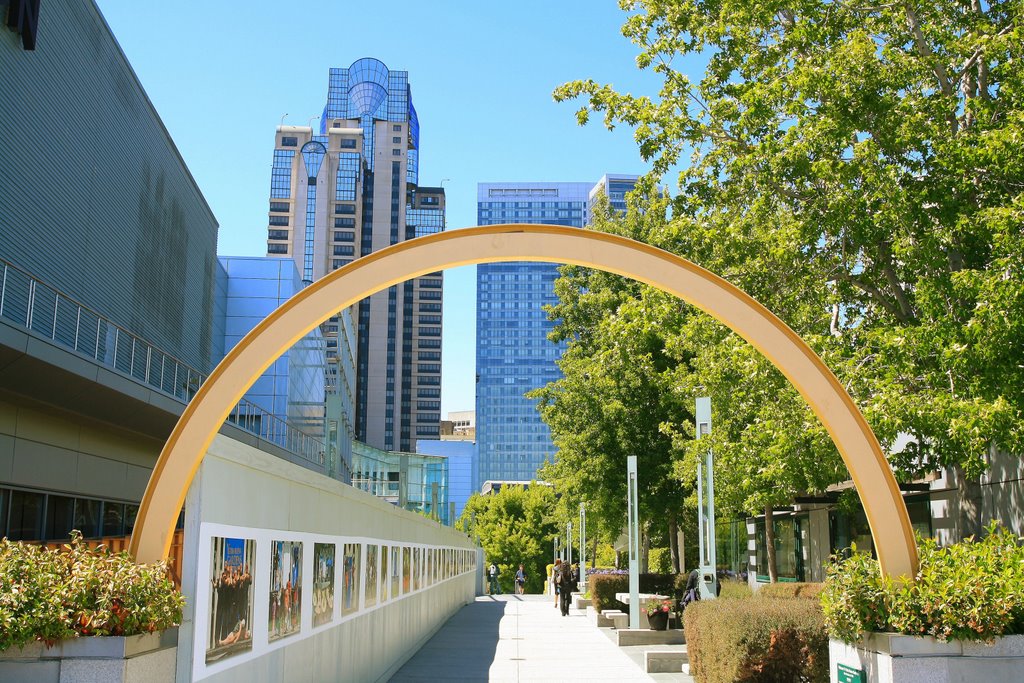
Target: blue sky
223	74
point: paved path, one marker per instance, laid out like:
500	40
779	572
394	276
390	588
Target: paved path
510	638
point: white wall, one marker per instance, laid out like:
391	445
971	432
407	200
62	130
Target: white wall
244	493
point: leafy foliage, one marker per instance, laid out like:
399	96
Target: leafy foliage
603	587
756	640
853	166
515	526
52	595
967	591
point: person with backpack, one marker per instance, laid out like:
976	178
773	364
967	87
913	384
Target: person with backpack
554	579
566	585
520	581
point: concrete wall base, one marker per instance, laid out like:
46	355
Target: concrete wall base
149	658
894	658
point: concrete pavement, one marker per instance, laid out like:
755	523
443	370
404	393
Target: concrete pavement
510	638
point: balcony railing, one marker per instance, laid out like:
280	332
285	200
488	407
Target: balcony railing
31	303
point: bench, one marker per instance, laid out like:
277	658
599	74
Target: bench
665	661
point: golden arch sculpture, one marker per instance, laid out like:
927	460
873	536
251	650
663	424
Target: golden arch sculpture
202	418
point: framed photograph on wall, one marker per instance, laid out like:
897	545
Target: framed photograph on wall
323	583
351	564
370	587
229	631
285	589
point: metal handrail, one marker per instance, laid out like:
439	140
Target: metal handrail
28	301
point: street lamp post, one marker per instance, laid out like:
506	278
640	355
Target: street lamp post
634	544
708	585
583	548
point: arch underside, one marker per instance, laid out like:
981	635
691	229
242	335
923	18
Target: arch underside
203	417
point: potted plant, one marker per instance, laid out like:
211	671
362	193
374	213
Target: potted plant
964	612
79	603
657	614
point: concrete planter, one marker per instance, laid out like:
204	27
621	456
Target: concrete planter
128	659
895	658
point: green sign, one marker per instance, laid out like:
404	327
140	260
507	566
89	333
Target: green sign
847	674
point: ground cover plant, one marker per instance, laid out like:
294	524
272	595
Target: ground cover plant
52	595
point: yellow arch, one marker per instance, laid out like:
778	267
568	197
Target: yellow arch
188	443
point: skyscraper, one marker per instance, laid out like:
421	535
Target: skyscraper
513	354
345	192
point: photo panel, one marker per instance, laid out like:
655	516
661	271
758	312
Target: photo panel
285	589
384	564
323	583
370	585
350	572
406	570
229	633
417	572
396	569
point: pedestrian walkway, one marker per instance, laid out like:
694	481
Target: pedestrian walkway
510	638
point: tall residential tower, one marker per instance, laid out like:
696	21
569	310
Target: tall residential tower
345	192
513	353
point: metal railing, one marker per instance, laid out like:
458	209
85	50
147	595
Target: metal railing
33	304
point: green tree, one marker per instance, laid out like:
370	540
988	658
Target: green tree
855	167
515	526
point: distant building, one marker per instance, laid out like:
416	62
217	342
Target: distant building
461	455
513	353
345	192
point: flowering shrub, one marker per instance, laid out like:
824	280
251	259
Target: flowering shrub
968	591
52	595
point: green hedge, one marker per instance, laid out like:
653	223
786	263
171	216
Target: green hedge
765	640
807	591
52	595
603	588
968	591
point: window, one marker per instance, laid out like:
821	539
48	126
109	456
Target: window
277	234
430	199
340	236
344	222
288	141
26	517
430	320
429	295
348	143
344	250
397	128
430	343
788	548
279	206
396	152
428	367
430	332
428	393
345	208
430	284
430	308
279	220
396	140
277	248
339	262
429	355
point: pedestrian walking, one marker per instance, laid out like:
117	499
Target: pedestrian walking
554	579
566	585
520	581
492	572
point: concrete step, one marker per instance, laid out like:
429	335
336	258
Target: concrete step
627	636
620	620
580	602
665	661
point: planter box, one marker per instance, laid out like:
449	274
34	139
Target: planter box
129	659
895	658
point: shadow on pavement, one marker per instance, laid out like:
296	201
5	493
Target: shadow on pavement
463	649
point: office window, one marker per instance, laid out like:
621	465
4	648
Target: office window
342	236
288	141
277	234
396	140
279	206
277	248
344	222
279	220
344	250
345	208
396	152
26	516
397	128
113	519
348	143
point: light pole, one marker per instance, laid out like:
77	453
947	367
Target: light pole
634	543
708	585
583	547
568	542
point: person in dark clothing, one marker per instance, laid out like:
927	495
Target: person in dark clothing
566	585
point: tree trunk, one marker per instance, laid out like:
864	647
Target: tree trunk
769	541
593	554
673	544
681	544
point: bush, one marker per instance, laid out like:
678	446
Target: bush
735	589
807	591
603	587
52	595
968	591
756	641
659	560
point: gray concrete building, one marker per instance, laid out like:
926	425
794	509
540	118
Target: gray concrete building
345	192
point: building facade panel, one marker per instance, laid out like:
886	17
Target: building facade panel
95	197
